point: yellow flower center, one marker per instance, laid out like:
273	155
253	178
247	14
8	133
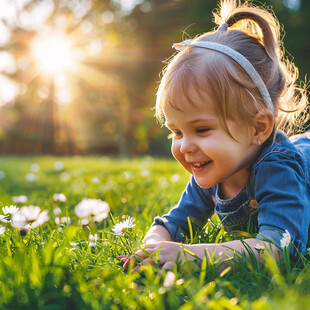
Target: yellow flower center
124	228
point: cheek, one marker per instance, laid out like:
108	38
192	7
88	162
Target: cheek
175	150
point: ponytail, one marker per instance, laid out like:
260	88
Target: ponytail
254	33
282	82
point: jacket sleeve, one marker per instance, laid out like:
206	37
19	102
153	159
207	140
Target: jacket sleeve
195	203
282	190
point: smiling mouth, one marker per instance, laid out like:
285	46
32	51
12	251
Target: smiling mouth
200	164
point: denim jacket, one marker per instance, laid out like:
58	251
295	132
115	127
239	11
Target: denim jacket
276	197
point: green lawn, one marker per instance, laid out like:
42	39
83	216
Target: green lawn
55	266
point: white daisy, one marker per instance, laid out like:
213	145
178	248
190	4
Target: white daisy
145	173
60	197
96	180
30	216
20	199
31	177
286	239
120	228
35	168
259	248
163	182
169	279
93	240
83	221
58	165
62	220
64	176
56	211
127	174
92	210
175	178
2	174
10	210
8	213
2	230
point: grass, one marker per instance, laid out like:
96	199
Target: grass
53	266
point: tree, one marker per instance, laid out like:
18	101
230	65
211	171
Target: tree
104	105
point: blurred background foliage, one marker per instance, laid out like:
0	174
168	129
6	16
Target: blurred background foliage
80	76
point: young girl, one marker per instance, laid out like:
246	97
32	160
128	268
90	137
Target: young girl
224	97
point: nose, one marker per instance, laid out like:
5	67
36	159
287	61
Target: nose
187	146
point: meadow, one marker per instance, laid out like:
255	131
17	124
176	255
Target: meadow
67	258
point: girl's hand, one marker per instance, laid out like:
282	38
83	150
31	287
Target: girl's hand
168	254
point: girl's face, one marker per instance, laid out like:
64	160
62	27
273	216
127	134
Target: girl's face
203	148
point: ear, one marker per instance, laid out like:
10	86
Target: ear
263	124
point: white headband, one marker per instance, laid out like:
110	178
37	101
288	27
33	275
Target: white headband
240	59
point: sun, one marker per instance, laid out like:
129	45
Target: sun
53	54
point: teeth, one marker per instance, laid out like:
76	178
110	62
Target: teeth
199	164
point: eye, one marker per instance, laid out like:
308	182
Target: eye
202	130
175	134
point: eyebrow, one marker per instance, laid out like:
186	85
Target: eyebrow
208	120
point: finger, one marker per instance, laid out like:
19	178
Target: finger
127	262
149	246
148	251
140	255
147	261
168	266
135	269
153	246
123	258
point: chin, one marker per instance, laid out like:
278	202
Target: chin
204	183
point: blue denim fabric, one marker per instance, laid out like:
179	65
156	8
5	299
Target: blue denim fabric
276	197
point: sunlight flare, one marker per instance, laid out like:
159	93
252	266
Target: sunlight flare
53	54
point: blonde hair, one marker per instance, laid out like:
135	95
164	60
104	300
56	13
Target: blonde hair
255	33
